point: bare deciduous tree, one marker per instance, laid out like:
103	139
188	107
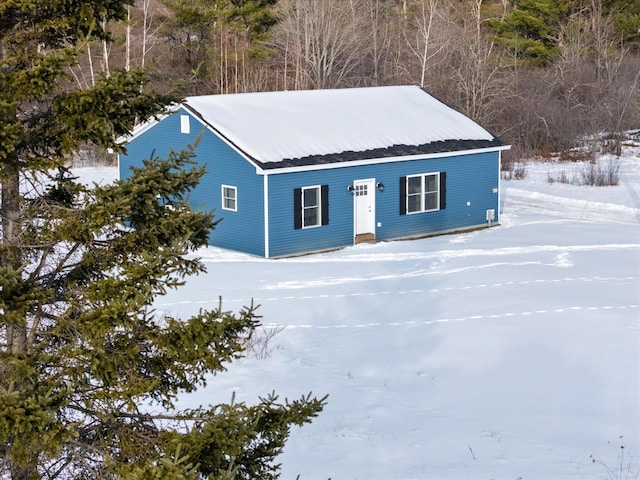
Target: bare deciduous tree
321	40
479	79
426	33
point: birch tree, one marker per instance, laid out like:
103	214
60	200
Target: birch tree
425	34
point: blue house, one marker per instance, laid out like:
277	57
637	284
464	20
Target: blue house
303	171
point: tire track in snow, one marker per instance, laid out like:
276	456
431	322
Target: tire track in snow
524	201
442	256
354	256
495	316
554	281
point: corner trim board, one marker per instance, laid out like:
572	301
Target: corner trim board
265	190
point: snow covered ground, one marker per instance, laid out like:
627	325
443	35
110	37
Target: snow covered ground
510	352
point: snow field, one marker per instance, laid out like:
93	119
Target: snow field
510	352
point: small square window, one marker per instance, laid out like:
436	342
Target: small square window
229	198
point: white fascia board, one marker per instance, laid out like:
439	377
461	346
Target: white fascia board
374	161
146	125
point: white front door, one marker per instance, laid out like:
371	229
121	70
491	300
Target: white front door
364	206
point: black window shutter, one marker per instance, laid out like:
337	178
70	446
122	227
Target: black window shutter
297	208
403	195
324	199
443	190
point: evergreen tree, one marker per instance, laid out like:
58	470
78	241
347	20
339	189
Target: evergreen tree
626	15
255	17
530	29
221	41
84	359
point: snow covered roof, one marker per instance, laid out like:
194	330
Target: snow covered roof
305	127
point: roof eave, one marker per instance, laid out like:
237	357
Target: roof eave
441	148
274	168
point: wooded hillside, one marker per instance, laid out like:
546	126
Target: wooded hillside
542	74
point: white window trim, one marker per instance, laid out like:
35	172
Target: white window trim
235	197
422	176
318	206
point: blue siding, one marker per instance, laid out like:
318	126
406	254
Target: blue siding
242	230
470	178
284	239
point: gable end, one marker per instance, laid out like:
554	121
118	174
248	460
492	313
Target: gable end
197	114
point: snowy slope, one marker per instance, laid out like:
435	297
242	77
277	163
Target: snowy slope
511	352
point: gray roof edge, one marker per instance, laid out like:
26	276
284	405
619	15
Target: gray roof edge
446	146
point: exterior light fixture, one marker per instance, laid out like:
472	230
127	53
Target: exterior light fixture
380	186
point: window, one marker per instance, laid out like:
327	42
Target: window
229	198
311	206
361	190
422	193
184	124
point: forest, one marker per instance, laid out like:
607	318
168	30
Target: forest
545	75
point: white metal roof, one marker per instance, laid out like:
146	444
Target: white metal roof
273	126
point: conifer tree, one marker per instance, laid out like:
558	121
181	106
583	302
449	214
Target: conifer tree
626	16
530	29
86	363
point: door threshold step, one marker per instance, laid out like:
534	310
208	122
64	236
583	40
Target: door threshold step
365	238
